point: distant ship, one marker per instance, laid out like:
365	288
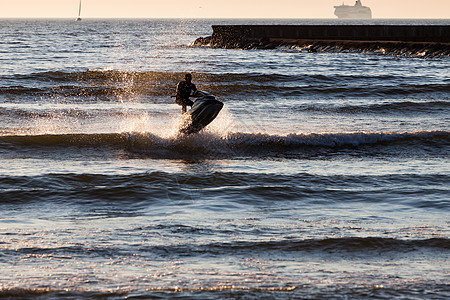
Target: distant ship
79	13
358	11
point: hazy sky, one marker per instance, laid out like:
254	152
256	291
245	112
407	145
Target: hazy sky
218	8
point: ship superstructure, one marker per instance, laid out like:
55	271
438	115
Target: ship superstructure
357	11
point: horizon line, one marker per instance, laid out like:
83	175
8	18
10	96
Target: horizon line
224	18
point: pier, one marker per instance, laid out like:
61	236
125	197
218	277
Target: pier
430	40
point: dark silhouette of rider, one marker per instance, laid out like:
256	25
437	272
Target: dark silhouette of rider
184	89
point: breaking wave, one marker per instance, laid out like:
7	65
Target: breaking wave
208	145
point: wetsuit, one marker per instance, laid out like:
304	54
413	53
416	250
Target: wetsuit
183	92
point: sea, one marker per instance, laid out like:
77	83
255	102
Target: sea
325	176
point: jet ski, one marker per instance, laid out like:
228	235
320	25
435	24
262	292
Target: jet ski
204	110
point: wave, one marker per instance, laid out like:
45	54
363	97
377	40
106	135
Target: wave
336	139
55	113
208	145
120	75
129	194
116	83
320	262
391	107
240	290
67	91
331	245
232	139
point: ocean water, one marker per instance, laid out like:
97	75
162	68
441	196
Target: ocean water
326	175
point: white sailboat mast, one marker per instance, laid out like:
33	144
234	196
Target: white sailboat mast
79	12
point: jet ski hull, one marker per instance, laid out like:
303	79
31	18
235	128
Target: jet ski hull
204	110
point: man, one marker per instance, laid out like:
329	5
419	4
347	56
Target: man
184	89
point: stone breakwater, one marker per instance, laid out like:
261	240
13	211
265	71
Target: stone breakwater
404	40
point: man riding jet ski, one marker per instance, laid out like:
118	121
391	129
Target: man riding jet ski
204	109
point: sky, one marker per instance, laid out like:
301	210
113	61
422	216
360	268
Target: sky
421	9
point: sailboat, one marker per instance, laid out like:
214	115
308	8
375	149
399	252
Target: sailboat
79	13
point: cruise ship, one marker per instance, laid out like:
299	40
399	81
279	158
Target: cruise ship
357	11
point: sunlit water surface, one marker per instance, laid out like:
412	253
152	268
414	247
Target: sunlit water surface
325	175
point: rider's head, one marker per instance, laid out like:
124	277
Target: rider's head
188	77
